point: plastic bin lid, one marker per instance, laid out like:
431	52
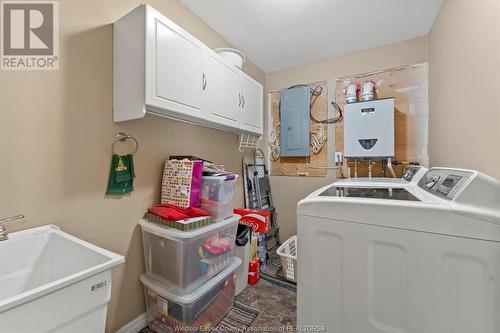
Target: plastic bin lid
172	233
222	178
163	291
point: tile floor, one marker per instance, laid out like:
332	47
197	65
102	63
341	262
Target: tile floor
277	305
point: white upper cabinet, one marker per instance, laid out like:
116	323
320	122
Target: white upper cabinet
220	91
161	69
175	68
252	95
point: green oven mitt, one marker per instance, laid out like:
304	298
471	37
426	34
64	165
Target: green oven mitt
121	175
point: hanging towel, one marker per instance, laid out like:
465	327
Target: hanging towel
121	175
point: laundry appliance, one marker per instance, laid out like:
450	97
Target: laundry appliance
419	254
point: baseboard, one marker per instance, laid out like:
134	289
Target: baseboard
135	326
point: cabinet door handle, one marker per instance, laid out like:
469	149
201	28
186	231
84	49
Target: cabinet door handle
239	97
243	101
204	81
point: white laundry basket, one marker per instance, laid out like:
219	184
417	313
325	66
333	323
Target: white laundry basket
288	255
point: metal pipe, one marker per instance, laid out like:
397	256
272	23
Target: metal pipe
370	166
4	235
12	218
404	167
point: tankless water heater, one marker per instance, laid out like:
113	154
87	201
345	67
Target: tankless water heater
369	129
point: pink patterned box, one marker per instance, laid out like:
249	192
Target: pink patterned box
181	183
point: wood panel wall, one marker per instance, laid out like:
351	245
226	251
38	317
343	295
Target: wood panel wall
409	87
298	166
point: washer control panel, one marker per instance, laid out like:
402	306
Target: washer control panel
445	183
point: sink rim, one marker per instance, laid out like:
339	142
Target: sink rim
114	259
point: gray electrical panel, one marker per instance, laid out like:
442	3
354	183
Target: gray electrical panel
295	122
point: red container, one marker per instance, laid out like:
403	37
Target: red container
254	271
258	220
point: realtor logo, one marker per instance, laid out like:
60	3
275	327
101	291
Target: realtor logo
29	35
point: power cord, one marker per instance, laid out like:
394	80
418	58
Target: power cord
333	120
274	142
318	139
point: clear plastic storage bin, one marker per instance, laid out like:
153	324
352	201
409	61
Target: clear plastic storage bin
217	196
184	260
203	308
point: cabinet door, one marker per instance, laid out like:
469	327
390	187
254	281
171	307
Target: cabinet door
220	91
174	69
252	104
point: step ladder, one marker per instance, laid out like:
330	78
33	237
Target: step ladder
258	193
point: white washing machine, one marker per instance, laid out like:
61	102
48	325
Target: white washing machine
419	254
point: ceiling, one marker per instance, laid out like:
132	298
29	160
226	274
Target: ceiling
278	34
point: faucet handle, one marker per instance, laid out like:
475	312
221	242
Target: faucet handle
3	231
12	218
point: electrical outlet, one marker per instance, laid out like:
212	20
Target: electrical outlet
338	158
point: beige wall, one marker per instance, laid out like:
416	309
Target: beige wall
56	132
463	86
287	191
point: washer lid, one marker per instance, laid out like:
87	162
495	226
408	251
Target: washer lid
369	192
374	181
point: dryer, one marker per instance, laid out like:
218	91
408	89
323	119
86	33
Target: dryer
419	254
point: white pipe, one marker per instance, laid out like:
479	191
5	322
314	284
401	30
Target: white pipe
391	169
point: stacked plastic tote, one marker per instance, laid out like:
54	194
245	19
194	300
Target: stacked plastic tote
190	275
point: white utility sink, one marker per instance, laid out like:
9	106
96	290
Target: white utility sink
51	281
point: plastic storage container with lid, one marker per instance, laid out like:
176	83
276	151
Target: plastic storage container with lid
217	195
203	308
184	260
